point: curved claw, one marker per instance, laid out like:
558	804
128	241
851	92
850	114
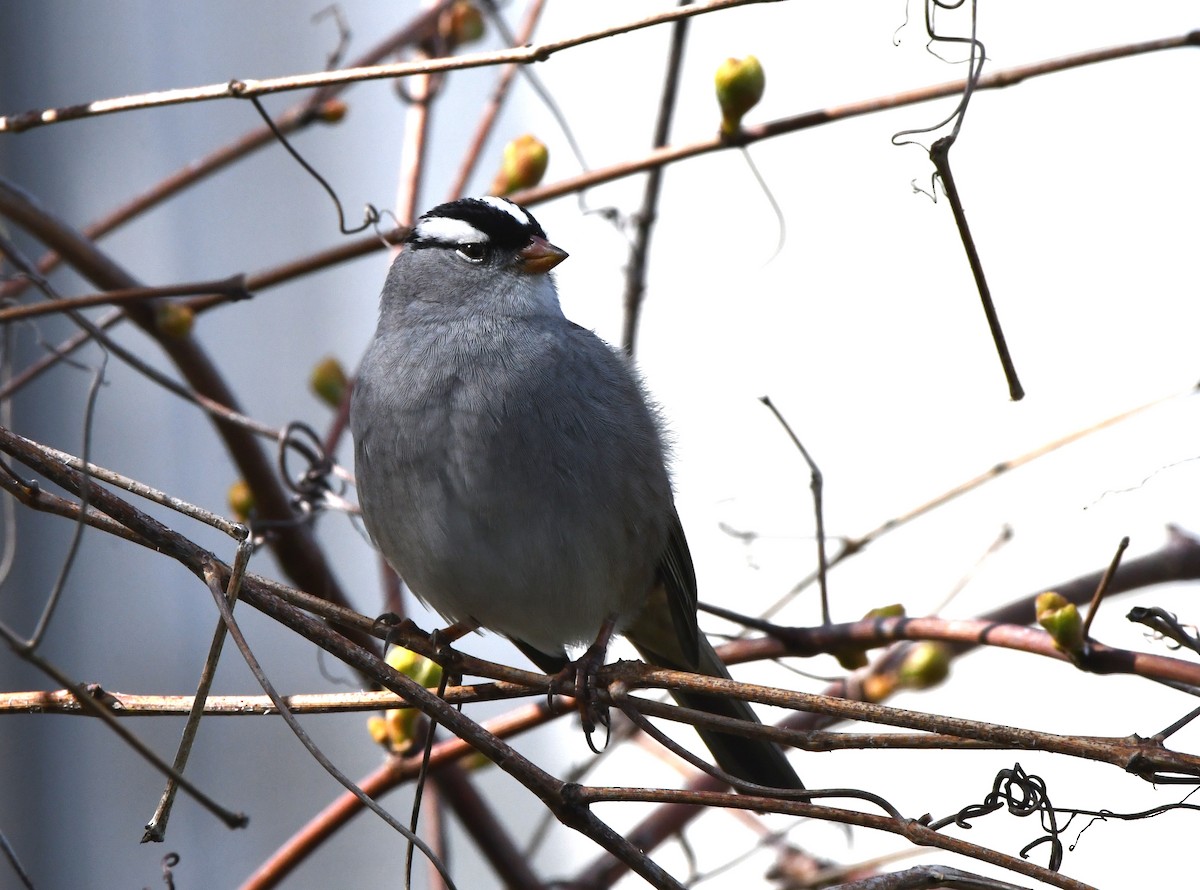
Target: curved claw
580	677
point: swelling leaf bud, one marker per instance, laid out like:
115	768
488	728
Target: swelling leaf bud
925	665
1061	619
740	84
396	729
463	23
173	318
328	381
241	500
523	166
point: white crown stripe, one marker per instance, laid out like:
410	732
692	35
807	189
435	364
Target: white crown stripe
448	230
508	207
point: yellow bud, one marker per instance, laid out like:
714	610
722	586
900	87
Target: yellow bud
740	84
332	111
240	499
926	664
523	166
416	667
1061	619
895	610
173	318
377	727
328	381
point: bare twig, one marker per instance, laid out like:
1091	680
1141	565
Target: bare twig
639	249
1102	587
156	828
233	288
491	110
852	546
394	772
818	487
294	118
940	155
910	829
747	135
244	89
88	703
11	855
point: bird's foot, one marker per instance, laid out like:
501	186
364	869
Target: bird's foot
579	679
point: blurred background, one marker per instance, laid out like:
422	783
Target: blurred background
855	313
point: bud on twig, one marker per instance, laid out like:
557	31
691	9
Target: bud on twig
395	730
463	23
173	318
332	111
1061	619
328	381
854	657
523	166
740	84
925	665
241	500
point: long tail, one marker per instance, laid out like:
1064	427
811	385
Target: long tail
753	760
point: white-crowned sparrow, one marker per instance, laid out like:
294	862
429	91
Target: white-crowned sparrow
511	470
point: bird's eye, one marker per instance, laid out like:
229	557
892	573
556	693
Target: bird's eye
472	251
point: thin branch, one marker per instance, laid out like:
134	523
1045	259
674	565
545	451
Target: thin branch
294	118
672	154
929	877
817	485
391	774
156	828
639	250
233	288
292	542
1102	587
127	704
213	578
910	829
491	110
88	703
852	546
940	155
244	89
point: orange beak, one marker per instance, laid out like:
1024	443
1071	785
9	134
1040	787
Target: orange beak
539	255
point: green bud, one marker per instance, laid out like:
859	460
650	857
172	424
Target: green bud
925	665
850	658
895	610
173	318
740	84
1061	619
416	667
396	729
523	166
328	381
464	23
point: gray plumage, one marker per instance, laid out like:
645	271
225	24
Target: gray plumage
510	468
